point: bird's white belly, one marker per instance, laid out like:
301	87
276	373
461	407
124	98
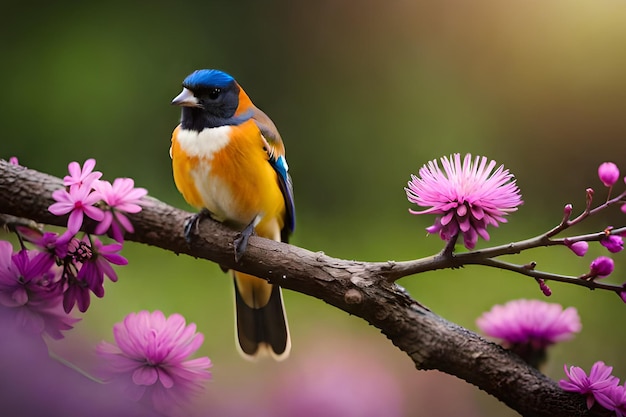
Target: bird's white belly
217	196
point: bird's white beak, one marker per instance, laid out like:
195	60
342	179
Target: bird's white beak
186	99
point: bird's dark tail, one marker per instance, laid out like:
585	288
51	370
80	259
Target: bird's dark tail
260	318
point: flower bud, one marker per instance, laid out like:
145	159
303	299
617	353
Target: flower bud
608	173
589	198
567	210
579	248
601	267
544	288
613	243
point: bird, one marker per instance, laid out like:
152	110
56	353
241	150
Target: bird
228	161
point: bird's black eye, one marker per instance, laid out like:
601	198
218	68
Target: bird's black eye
215	93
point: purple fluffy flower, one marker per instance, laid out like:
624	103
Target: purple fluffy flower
467	195
333	382
599	380
150	358
530	321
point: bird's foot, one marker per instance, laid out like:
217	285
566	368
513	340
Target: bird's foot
241	241
192	222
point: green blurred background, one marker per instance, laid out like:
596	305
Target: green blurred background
364	93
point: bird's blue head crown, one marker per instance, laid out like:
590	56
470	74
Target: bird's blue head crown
208	78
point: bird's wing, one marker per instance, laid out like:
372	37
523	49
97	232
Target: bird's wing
269	132
276	152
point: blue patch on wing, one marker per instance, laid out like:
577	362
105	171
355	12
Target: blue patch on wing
207	78
280	165
286	187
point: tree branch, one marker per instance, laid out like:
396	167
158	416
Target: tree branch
363	289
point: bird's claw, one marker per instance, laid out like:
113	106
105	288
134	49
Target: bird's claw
192	222
241	241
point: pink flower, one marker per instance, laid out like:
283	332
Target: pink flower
121	196
61	390
468	196
81	177
612	398
23	277
599	379
600	267
47	317
579	248
533	322
78	201
51	243
337	382
29	292
93	261
608	173
150	358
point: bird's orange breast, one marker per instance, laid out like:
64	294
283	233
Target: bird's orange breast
226	170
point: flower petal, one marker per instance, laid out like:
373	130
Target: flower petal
145	375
